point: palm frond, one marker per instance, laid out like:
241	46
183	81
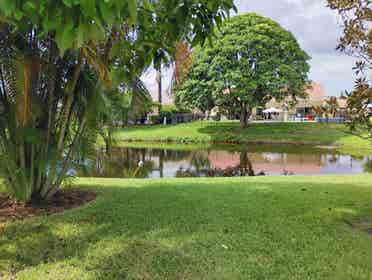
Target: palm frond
141	98
95	61
20	74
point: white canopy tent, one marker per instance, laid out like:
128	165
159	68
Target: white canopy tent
272	110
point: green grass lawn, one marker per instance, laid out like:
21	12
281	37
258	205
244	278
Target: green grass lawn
228	132
248	228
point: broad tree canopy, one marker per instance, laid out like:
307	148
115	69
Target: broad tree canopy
252	60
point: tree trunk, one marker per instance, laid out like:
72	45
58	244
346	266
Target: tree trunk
108	141
160	84
244	115
161	163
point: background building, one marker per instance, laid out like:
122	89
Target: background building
314	105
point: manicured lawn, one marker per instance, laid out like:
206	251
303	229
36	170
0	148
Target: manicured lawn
249	228
216	132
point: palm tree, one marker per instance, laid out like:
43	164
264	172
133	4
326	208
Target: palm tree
182	61
159	82
44	101
332	106
48	109
319	111
161	58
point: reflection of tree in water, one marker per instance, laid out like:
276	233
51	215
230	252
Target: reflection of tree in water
170	155
368	166
246	167
120	163
200	161
201	167
123	163
334	158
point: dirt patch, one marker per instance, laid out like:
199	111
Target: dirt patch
369	231
63	200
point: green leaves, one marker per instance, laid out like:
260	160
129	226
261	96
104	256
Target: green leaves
73	47
169	20
7	7
65	39
132	6
252	59
89	8
107	12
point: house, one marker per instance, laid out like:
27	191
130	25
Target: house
302	108
342	107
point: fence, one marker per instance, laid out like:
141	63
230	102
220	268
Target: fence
330	120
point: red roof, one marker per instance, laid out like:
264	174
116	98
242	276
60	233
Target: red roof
316	92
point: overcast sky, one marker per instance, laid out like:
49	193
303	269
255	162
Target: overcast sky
316	27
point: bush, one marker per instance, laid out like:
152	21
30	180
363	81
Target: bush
172	109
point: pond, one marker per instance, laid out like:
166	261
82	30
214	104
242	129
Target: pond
221	161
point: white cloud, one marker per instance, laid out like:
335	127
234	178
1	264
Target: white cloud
334	72
317	28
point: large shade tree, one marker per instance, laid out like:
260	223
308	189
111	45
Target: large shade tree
252	60
59	58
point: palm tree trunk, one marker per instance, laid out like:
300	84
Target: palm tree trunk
160	84
68	106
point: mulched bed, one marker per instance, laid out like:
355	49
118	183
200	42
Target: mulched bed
63	200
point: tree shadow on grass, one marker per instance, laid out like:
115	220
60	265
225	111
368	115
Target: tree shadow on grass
140	233
114	230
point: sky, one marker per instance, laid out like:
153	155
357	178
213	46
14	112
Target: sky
317	29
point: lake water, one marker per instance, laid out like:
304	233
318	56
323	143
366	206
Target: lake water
222	161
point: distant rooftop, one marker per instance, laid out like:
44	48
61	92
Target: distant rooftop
316	96
316	92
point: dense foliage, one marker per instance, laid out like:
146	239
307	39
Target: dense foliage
356	41
252	60
60	60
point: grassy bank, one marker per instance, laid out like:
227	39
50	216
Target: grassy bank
251	228
227	132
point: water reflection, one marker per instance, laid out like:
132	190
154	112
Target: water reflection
221	162
368	166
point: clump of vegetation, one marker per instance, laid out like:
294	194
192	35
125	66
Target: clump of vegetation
59	60
173	109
